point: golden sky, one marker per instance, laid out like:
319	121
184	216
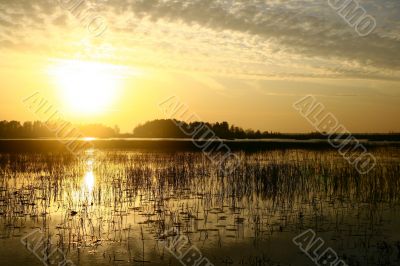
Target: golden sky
243	61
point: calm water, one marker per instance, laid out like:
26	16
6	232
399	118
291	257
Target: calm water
114	207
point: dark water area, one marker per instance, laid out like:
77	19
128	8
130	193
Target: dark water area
115	205
55	145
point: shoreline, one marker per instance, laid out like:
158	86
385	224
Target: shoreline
54	145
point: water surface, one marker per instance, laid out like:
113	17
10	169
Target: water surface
116	207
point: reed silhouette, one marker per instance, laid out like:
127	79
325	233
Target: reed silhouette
116	206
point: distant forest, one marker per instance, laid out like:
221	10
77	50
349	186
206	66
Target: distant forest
166	128
37	129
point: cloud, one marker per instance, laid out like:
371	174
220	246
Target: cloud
260	39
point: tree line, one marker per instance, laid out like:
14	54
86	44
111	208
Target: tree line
37	129
168	128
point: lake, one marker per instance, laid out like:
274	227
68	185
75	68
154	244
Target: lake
126	205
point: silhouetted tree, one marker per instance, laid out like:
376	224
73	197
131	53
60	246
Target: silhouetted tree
167	128
38	129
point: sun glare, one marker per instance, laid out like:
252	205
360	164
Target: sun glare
87	87
89	181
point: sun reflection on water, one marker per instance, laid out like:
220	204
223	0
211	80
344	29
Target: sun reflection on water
89	181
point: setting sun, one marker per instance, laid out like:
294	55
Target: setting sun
86	87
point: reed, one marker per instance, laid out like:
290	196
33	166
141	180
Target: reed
117	205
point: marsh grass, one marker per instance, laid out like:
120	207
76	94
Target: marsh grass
117	205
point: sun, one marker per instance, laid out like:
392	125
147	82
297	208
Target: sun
86	87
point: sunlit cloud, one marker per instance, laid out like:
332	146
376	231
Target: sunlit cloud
259	39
